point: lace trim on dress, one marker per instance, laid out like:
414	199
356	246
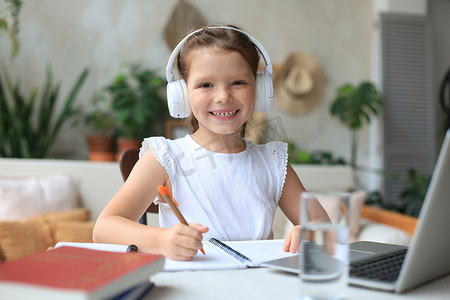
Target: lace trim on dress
280	157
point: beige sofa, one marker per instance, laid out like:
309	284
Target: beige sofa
97	182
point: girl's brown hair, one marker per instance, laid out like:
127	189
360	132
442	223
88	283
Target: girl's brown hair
220	39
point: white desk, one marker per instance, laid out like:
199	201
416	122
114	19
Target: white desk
263	283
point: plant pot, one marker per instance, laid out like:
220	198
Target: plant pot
124	144
101	148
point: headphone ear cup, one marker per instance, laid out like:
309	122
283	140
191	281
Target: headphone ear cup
178	100
264	92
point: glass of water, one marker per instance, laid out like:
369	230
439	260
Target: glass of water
324	247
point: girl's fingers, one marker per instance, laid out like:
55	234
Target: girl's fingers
199	227
292	242
287	243
295	243
184	241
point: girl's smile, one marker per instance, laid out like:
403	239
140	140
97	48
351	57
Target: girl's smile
224	114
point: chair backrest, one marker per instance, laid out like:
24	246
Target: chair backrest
126	162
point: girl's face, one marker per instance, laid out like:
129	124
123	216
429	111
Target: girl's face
221	88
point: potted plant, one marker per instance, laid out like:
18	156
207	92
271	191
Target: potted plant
138	104
354	106
30	125
101	138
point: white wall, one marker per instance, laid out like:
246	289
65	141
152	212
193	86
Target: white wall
70	35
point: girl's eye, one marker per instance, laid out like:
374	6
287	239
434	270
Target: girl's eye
239	82
205	85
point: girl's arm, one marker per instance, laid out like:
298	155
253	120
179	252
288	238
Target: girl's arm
117	223
290	205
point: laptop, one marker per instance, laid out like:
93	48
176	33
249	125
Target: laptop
426	258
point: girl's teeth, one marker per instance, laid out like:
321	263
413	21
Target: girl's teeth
225	114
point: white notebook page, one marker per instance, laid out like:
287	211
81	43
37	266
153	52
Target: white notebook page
215	258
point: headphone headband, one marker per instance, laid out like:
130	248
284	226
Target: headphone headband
169	75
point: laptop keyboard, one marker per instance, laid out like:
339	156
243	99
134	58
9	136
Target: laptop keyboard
384	269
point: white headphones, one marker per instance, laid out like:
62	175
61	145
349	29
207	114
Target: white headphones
177	96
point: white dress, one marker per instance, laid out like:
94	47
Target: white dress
235	195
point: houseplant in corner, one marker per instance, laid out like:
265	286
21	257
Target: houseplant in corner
30	124
101	138
138	104
354	106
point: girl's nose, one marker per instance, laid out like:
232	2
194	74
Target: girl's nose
223	95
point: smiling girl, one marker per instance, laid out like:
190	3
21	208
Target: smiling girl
226	186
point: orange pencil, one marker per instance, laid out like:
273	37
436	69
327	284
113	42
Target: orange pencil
165	194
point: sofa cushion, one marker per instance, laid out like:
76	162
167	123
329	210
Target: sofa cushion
20	238
72	231
23	237
76	214
27	196
381	233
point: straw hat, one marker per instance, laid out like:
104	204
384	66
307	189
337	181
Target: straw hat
299	83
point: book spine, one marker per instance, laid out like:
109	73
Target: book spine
230	251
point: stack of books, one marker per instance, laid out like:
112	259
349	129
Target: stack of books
79	273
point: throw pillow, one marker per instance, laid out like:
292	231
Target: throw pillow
381	233
72	231
27	196
20	238
76	214
23	237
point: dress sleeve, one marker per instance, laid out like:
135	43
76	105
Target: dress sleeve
279	155
157	144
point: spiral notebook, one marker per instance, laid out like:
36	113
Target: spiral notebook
231	255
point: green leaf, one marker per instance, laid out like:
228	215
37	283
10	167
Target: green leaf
3	24
28	127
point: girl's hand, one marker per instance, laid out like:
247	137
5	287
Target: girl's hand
292	242
181	242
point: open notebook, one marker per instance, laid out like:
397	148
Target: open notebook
231	255
219	255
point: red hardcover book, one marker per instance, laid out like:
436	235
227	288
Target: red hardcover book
75	273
